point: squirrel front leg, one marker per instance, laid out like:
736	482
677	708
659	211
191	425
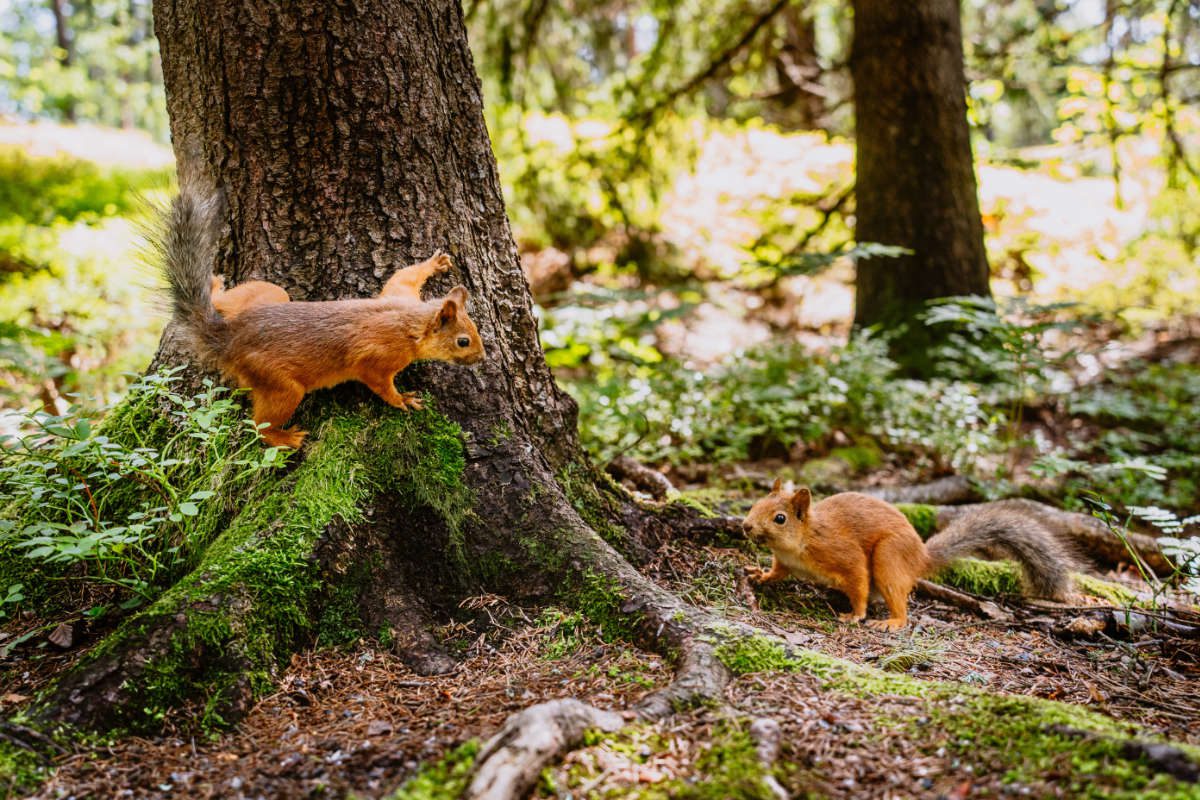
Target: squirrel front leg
857	587
385	387
757	575
407	282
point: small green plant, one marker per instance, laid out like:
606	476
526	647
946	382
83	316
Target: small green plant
122	505
1006	345
1182	553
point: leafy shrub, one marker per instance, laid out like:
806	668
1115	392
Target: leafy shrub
771	398
38	191
118	508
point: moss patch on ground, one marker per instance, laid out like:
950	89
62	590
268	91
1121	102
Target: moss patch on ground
443	779
921	517
21	770
1025	738
986	578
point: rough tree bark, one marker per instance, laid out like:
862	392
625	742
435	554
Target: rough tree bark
915	180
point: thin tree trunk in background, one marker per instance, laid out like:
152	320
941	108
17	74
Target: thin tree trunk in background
915	173
63	39
798	105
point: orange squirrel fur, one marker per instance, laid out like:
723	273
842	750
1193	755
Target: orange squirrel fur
856	543
281	351
406	282
231	302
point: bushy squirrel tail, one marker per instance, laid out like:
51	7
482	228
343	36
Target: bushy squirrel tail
1004	533
187	249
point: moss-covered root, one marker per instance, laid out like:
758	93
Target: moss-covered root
1023	738
218	634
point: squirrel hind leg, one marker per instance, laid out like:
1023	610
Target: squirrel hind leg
275	405
893	574
408	281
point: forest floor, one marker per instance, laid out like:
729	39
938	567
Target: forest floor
355	720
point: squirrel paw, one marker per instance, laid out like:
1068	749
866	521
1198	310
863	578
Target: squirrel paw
890	624
755	575
284	437
440	262
410	400
851	617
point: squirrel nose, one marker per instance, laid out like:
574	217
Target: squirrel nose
747	528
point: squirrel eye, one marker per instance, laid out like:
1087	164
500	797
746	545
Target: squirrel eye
464	341
780	519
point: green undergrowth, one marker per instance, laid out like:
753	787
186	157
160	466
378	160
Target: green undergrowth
258	587
98	517
21	770
443	779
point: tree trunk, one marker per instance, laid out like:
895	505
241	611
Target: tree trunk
915	175
348	141
63	39
799	104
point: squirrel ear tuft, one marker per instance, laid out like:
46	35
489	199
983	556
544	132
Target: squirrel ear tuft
459	295
801	500
447	313
777	486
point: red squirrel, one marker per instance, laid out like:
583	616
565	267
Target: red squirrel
856	543
280	351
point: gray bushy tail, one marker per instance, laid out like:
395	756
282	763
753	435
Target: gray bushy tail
187	249
1004	533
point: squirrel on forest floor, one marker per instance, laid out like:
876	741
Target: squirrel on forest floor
281	351
857	544
406	282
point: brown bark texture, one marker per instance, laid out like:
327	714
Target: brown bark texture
915	174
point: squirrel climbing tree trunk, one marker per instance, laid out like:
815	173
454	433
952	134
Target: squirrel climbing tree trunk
915	177
347	141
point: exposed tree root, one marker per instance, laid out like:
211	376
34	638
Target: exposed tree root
650	481
984	608
767	736
943	491
510	762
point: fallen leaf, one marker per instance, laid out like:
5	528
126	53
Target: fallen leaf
63	635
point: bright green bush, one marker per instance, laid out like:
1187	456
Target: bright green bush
117	509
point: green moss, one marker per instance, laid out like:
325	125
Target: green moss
601	601
746	654
419	457
262	567
986	578
1026	738
443	779
21	770
921	517
1114	593
728	769
581	486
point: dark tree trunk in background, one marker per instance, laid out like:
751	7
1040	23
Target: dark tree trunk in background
915	174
